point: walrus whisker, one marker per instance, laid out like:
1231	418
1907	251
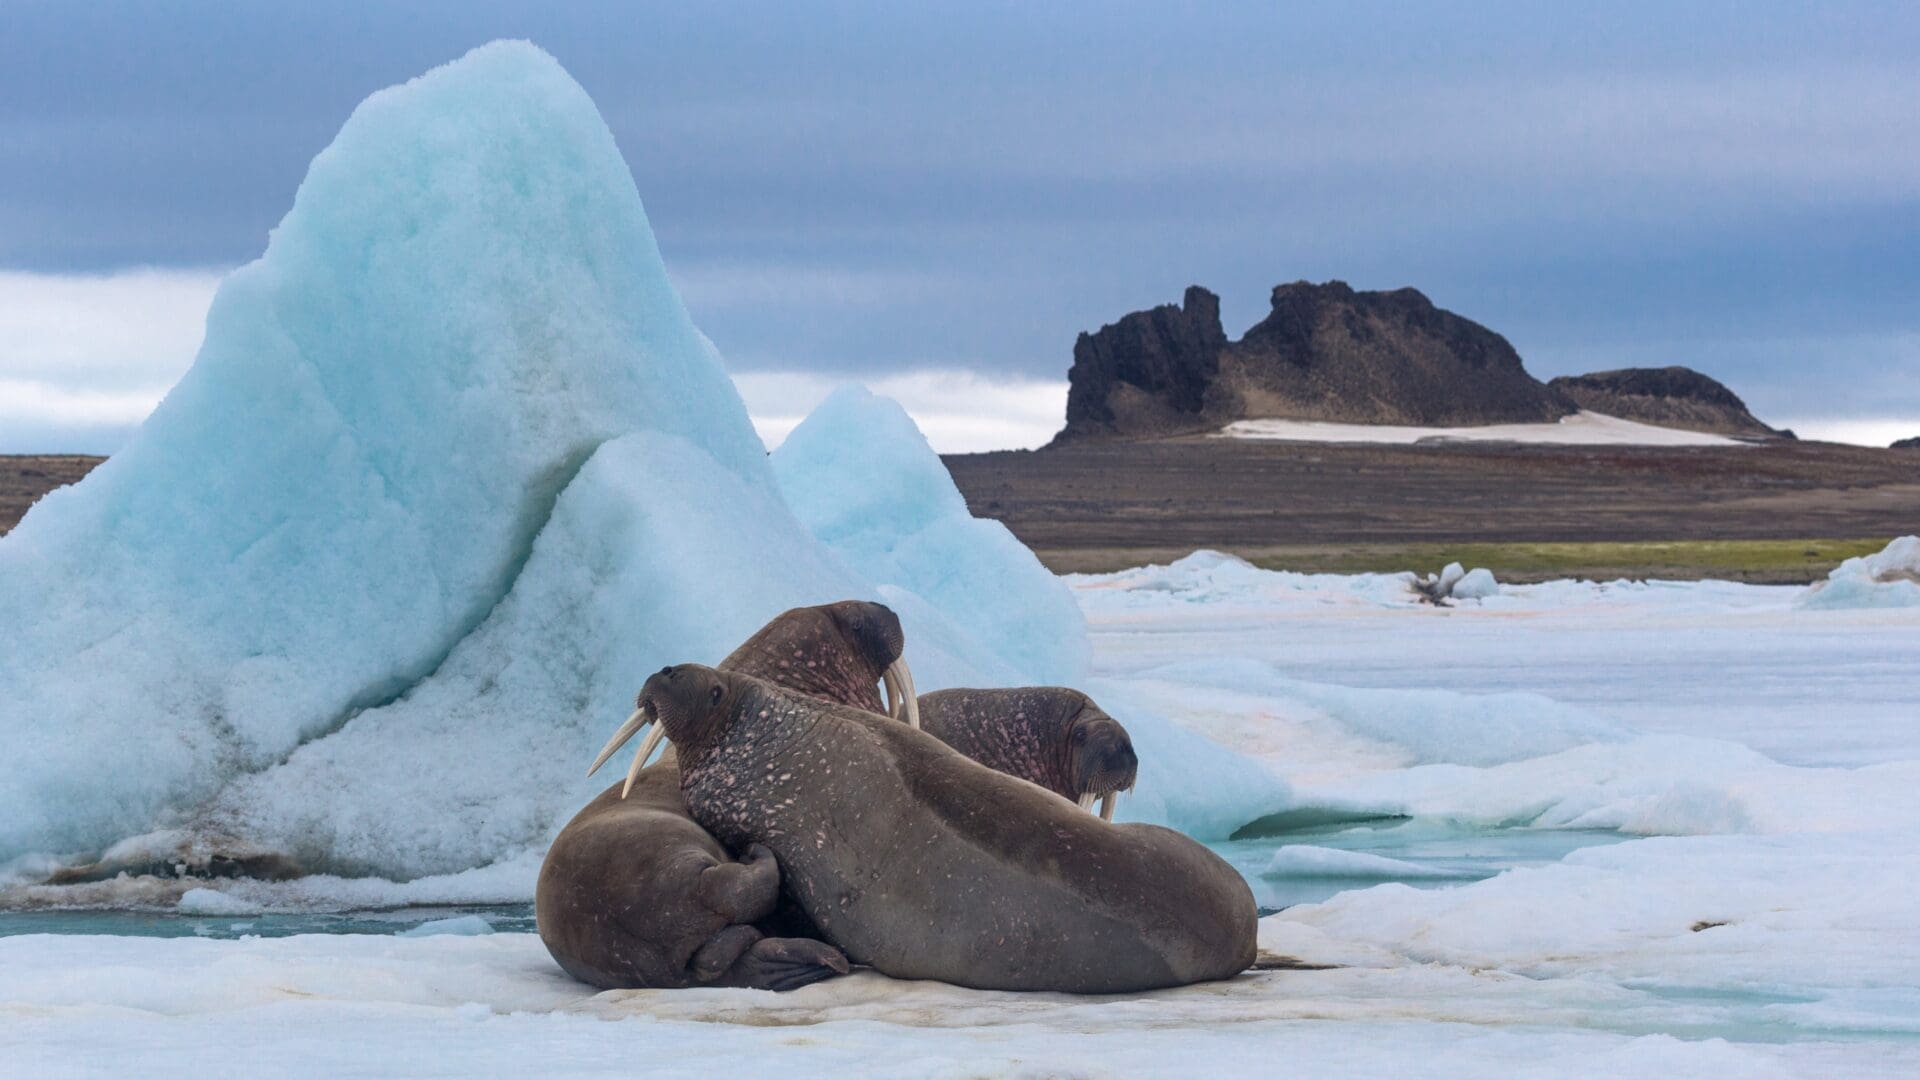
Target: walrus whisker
634	723
1106	805
909	700
640	757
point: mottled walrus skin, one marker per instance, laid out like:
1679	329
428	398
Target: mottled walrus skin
1056	737
634	893
927	865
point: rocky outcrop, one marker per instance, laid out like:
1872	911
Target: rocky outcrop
1906	444
1324	352
1674	397
1149	373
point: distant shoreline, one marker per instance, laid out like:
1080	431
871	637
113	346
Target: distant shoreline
1778	513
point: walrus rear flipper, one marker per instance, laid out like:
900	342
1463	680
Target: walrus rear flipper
786	964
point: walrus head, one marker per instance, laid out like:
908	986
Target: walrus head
1100	758
679	703
876	633
834	652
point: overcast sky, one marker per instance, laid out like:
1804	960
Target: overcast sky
936	200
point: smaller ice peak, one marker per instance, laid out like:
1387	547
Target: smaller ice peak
860	475
1888	578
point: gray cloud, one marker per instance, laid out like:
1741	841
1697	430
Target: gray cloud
879	189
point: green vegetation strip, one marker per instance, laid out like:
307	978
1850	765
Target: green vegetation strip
1760	561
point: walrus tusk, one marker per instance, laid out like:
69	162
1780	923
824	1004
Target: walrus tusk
1086	801
906	703
892	686
634	723
658	733
1106	805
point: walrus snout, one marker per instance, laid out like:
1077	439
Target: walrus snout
1104	762
875	631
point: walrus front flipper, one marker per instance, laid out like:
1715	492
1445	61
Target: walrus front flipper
786	964
742	892
720	952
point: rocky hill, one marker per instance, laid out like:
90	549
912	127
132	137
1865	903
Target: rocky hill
1674	397
1328	352
1324	352
1906	444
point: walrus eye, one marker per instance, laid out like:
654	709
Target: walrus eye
1079	736
716	695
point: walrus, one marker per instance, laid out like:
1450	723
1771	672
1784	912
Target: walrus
834	652
634	893
924	864
1054	736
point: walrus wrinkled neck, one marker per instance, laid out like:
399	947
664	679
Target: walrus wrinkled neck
841	679
757	724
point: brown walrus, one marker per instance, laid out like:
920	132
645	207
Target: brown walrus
1056	737
922	863
634	893
1051	735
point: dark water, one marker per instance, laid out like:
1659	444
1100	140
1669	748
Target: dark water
1463	854
509	917
1444	854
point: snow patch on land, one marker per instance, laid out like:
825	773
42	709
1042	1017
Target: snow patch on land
1581	429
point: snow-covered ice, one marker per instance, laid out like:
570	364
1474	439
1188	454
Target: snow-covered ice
1581	429
1751	915
1889	577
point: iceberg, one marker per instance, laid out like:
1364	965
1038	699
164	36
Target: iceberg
465	300
452	472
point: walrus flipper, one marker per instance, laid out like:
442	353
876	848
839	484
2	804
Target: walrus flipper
742	892
718	954
786	964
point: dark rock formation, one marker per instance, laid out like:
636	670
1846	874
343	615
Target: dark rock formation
1325	352
1674	397
1906	444
1147	374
